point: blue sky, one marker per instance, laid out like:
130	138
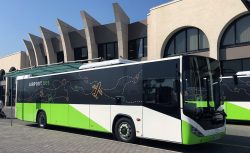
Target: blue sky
20	17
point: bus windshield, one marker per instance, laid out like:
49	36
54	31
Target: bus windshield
201	87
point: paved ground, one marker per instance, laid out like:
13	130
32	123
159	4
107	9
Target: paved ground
25	137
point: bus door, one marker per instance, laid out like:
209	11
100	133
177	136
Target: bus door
161	111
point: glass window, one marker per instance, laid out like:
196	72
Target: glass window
243	30
231	67
2	73
229	37
180	41
192	39
170	48
116	50
145	47
160	91
238	33
12	91
2	93
149	90
60	57
108	51
102	51
84	53
132	50
46	59
187	40
246	64
137	48
203	41
81	53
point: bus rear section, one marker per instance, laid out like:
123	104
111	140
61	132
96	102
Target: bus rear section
236	96
173	99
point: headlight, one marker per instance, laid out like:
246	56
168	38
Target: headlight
196	132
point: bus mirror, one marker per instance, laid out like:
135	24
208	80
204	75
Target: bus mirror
235	77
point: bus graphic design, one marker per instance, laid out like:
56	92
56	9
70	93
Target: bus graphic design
174	99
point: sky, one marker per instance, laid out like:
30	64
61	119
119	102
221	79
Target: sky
18	18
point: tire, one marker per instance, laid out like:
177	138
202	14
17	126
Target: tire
42	120
2	115
125	130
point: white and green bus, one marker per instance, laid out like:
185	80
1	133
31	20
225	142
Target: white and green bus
236	93
175	99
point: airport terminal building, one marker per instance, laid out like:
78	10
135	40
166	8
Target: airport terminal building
217	29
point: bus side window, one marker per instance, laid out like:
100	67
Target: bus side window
160	91
149	87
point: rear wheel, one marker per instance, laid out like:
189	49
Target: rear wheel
42	120
125	130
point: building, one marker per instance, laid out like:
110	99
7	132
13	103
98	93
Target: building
217	29
9	63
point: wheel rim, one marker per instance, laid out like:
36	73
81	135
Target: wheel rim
42	120
125	131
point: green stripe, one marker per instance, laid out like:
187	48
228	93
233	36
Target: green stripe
235	112
189	138
63	115
201	104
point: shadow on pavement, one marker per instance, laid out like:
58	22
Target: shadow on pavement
236	122
230	143
76	131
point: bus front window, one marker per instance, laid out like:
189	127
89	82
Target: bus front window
201	87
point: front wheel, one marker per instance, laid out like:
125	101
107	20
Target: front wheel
42	120
125	130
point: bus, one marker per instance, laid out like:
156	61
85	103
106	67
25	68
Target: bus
236	95
174	99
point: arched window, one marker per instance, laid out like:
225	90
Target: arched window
236	38
237	34
185	41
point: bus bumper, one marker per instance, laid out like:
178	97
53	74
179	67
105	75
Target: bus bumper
190	138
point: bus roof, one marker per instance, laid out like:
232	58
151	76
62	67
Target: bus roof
246	73
105	63
63	68
45	70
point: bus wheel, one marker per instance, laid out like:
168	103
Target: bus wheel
125	130
42	120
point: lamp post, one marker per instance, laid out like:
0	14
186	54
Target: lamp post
11	101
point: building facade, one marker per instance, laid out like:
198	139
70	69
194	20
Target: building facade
9	63
213	28
218	29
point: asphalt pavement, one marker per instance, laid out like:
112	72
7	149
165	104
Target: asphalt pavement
25	137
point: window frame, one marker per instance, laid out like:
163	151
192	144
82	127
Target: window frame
241	65
80	49
144	50
60	53
235	44
155	88
173	38
104	53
